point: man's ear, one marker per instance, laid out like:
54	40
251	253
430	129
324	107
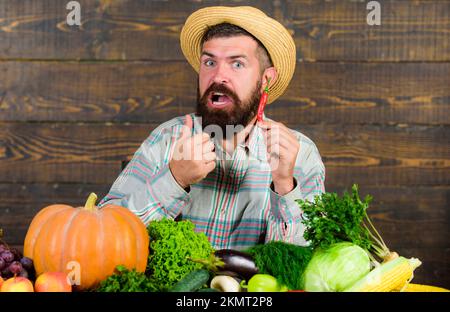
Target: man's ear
271	74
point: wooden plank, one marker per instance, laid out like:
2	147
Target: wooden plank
136	92
110	30
379	155
92	153
401	214
367	93
338	30
143	30
331	93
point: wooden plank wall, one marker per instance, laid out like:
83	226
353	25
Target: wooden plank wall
77	101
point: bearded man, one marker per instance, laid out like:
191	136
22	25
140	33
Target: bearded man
235	177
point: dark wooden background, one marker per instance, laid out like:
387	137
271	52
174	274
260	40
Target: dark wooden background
77	101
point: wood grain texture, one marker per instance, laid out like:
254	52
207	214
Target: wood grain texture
110	30
87	153
149	30
338	30
383	155
331	93
92	153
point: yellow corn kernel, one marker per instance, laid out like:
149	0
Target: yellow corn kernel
423	288
394	274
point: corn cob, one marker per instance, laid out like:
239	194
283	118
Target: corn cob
394	274
423	288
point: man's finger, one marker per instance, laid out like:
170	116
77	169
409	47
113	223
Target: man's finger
282	141
199	139
208	147
281	133
186	130
209	156
210	166
267	124
204	137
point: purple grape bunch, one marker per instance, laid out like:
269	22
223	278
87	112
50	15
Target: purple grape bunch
13	263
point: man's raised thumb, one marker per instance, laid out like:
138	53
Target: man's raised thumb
186	130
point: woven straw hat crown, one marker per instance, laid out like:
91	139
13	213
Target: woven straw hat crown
273	35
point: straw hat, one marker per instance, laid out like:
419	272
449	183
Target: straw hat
274	36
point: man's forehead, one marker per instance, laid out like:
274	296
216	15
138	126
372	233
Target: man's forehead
230	46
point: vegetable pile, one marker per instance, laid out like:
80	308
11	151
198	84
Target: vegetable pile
345	253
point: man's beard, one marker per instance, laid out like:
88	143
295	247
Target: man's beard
238	115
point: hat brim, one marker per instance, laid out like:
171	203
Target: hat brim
274	36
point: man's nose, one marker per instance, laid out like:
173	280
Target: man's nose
221	75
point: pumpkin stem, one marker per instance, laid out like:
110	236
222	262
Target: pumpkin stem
90	203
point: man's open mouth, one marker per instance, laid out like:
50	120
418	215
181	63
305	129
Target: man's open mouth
219	100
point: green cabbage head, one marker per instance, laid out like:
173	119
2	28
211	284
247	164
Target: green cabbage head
336	268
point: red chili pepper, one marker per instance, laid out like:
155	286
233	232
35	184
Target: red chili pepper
263	101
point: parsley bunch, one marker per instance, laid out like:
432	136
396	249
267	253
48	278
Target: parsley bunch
124	280
331	219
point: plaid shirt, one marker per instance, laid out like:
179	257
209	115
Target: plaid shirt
235	205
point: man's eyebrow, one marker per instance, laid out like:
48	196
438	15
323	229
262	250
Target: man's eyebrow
238	56
208	54
232	57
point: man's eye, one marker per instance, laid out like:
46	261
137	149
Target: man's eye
238	64
209	62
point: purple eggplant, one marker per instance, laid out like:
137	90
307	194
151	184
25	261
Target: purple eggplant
230	262
236	261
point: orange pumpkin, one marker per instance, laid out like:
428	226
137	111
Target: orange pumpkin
96	239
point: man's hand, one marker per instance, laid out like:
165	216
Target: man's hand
282	151
193	156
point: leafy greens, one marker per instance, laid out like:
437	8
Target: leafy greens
331	219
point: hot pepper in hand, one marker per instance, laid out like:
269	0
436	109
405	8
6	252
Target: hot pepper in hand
263	101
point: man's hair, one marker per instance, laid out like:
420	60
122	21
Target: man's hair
225	30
